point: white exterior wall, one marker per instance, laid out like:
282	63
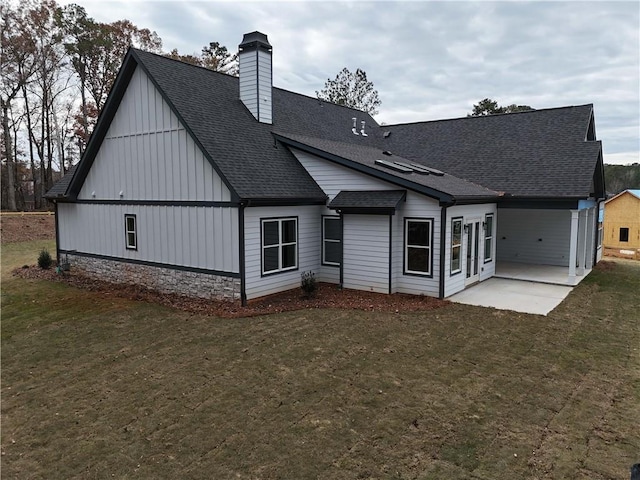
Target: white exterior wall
197	237
309	253
255	83
534	236
332	177
148	155
455	283
366	252
416	206
327	273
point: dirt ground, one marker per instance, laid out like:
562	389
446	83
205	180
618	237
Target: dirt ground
16	227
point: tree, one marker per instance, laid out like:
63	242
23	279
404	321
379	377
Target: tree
351	89
491	107
18	65
214	57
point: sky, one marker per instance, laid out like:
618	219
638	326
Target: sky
431	60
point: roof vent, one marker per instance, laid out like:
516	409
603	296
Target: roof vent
387	153
355	123
386	134
362	124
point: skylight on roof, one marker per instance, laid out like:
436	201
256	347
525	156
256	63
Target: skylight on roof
394	166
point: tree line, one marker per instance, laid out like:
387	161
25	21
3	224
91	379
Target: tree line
58	65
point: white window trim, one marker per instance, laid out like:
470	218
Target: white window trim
127	232
428	248
330	240
279	245
488	236
456	245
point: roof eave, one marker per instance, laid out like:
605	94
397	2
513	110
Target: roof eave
430	192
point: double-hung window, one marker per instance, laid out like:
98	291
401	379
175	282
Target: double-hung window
331	241
131	233
279	245
456	245
488	237
418	255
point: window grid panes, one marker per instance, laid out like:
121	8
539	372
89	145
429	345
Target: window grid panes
279	245
488	238
456	245
418	246
130	232
331	241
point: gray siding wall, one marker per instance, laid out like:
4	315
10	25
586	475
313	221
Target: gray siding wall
148	155
198	237
256	83
366	253
534	236
332	177
308	248
455	283
416	206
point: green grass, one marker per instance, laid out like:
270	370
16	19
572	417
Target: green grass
100	387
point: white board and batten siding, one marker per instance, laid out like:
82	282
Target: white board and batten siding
534	236
366	252
147	154
187	236
309	252
456	282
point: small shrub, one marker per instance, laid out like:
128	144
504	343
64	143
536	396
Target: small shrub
44	259
308	284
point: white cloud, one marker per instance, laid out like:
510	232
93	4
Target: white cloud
432	60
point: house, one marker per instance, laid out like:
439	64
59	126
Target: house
209	185
621	229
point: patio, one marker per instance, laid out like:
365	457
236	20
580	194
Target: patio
534	289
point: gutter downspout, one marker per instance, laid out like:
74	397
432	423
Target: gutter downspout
55	204
243	284
443	241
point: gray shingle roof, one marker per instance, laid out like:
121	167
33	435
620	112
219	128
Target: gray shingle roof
541	153
60	187
366	156
383	201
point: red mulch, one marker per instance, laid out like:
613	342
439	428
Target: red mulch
327	296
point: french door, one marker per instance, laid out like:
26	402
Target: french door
472	233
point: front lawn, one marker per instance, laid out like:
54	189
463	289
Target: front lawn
96	386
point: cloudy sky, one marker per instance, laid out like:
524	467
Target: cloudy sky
432	60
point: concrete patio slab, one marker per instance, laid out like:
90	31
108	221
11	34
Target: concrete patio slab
517	295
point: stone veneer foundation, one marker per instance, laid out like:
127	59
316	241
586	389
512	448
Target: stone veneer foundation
160	279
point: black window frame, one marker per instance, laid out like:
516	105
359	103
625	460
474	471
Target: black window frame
325	240
127	231
279	245
405	254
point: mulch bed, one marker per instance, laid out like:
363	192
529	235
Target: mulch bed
327	296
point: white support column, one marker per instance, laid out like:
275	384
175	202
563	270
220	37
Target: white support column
582	240
573	246
591	237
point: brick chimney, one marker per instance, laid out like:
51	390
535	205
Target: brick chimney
256	77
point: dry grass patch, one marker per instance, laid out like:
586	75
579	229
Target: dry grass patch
105	387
